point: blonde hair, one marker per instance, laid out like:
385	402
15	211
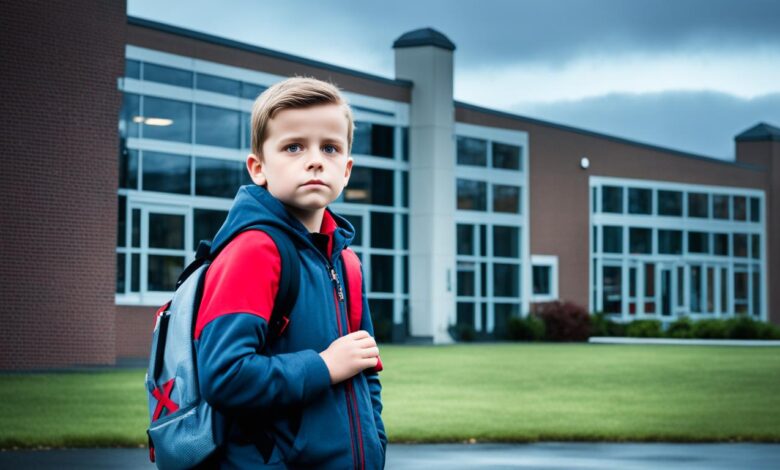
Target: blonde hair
295	93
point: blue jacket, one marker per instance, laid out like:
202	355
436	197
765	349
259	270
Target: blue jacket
282	396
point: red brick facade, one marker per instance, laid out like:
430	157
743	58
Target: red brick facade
61	61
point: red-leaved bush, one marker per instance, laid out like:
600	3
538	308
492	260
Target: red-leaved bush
563	321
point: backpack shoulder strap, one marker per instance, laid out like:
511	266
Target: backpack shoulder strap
289	282
354	284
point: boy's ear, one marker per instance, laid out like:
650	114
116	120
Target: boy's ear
254	165
348	171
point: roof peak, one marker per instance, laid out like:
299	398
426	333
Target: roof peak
760	132
424	37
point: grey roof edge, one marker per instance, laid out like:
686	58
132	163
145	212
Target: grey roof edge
135	21
612	138
424	37
761	132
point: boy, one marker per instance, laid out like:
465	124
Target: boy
311	399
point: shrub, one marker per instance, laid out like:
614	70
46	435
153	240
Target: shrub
564	321
529	328
742	327
602	325
682	327
768	331
644	329
463	332
709	328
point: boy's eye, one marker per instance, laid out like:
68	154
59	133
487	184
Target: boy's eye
330	149
293	147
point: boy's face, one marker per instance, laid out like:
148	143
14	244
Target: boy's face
305	162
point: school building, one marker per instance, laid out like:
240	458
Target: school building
124	142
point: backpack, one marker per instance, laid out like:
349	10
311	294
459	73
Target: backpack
182	435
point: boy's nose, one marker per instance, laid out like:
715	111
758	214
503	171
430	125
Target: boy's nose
315	159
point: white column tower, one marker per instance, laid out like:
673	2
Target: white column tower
425	57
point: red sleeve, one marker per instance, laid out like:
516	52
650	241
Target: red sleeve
244	278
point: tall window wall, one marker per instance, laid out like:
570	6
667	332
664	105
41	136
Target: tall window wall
662	250
493	268
184	133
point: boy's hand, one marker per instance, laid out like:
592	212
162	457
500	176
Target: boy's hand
350	355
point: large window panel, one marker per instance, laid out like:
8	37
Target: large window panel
506	156
163	272
216	84
466	278
167	75
165	119
166	172
755	209
698	242
720	244
465	239
640	201
613	239
381	273
506	280
382	229
720	207
506	198
698	205
640	240
219	178
506	241
612	289
370	186
670	203
740	245
740	208
207	224
472	195
217	126
612	199
669	242
373	139
166	231
130	118
128	168
472	151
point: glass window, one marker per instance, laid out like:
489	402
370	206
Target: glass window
755	212
640	201
740	290
166	231
370	186
382	229
483	279
373	139
506	241
216	84
250	91
506	156
135	272
120	273
695	289
381	273
472	195
217	126
740	208
404	189
382	316
128	168
219	178
612	300
613	239
612	199
698	205
649	288
669	203
121	231
130	116
164	272
483	240
135	229
506	280
167	119
246	130
501	314
670	242
465	312
166	172
755	246
506	198
207	224
740	245
132	69
720	206
640	240
405	231
465	234
405	144
720	244
466	278
167	75
698	242
357	224
541	280
472	151
756	299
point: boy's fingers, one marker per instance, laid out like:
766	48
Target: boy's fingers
370	352
360	334
366	342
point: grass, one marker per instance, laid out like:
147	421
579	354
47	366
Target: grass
495	392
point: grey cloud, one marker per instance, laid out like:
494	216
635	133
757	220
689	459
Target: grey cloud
703	123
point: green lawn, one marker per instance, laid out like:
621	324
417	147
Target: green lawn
497	392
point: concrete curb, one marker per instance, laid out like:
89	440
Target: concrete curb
680	341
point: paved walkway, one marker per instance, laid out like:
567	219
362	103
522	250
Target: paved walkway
547	456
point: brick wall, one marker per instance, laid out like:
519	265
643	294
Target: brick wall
58	137
134	327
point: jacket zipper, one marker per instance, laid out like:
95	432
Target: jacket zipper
348	389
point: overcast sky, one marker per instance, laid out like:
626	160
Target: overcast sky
684	74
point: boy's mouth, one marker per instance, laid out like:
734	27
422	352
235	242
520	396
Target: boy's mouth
314	182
